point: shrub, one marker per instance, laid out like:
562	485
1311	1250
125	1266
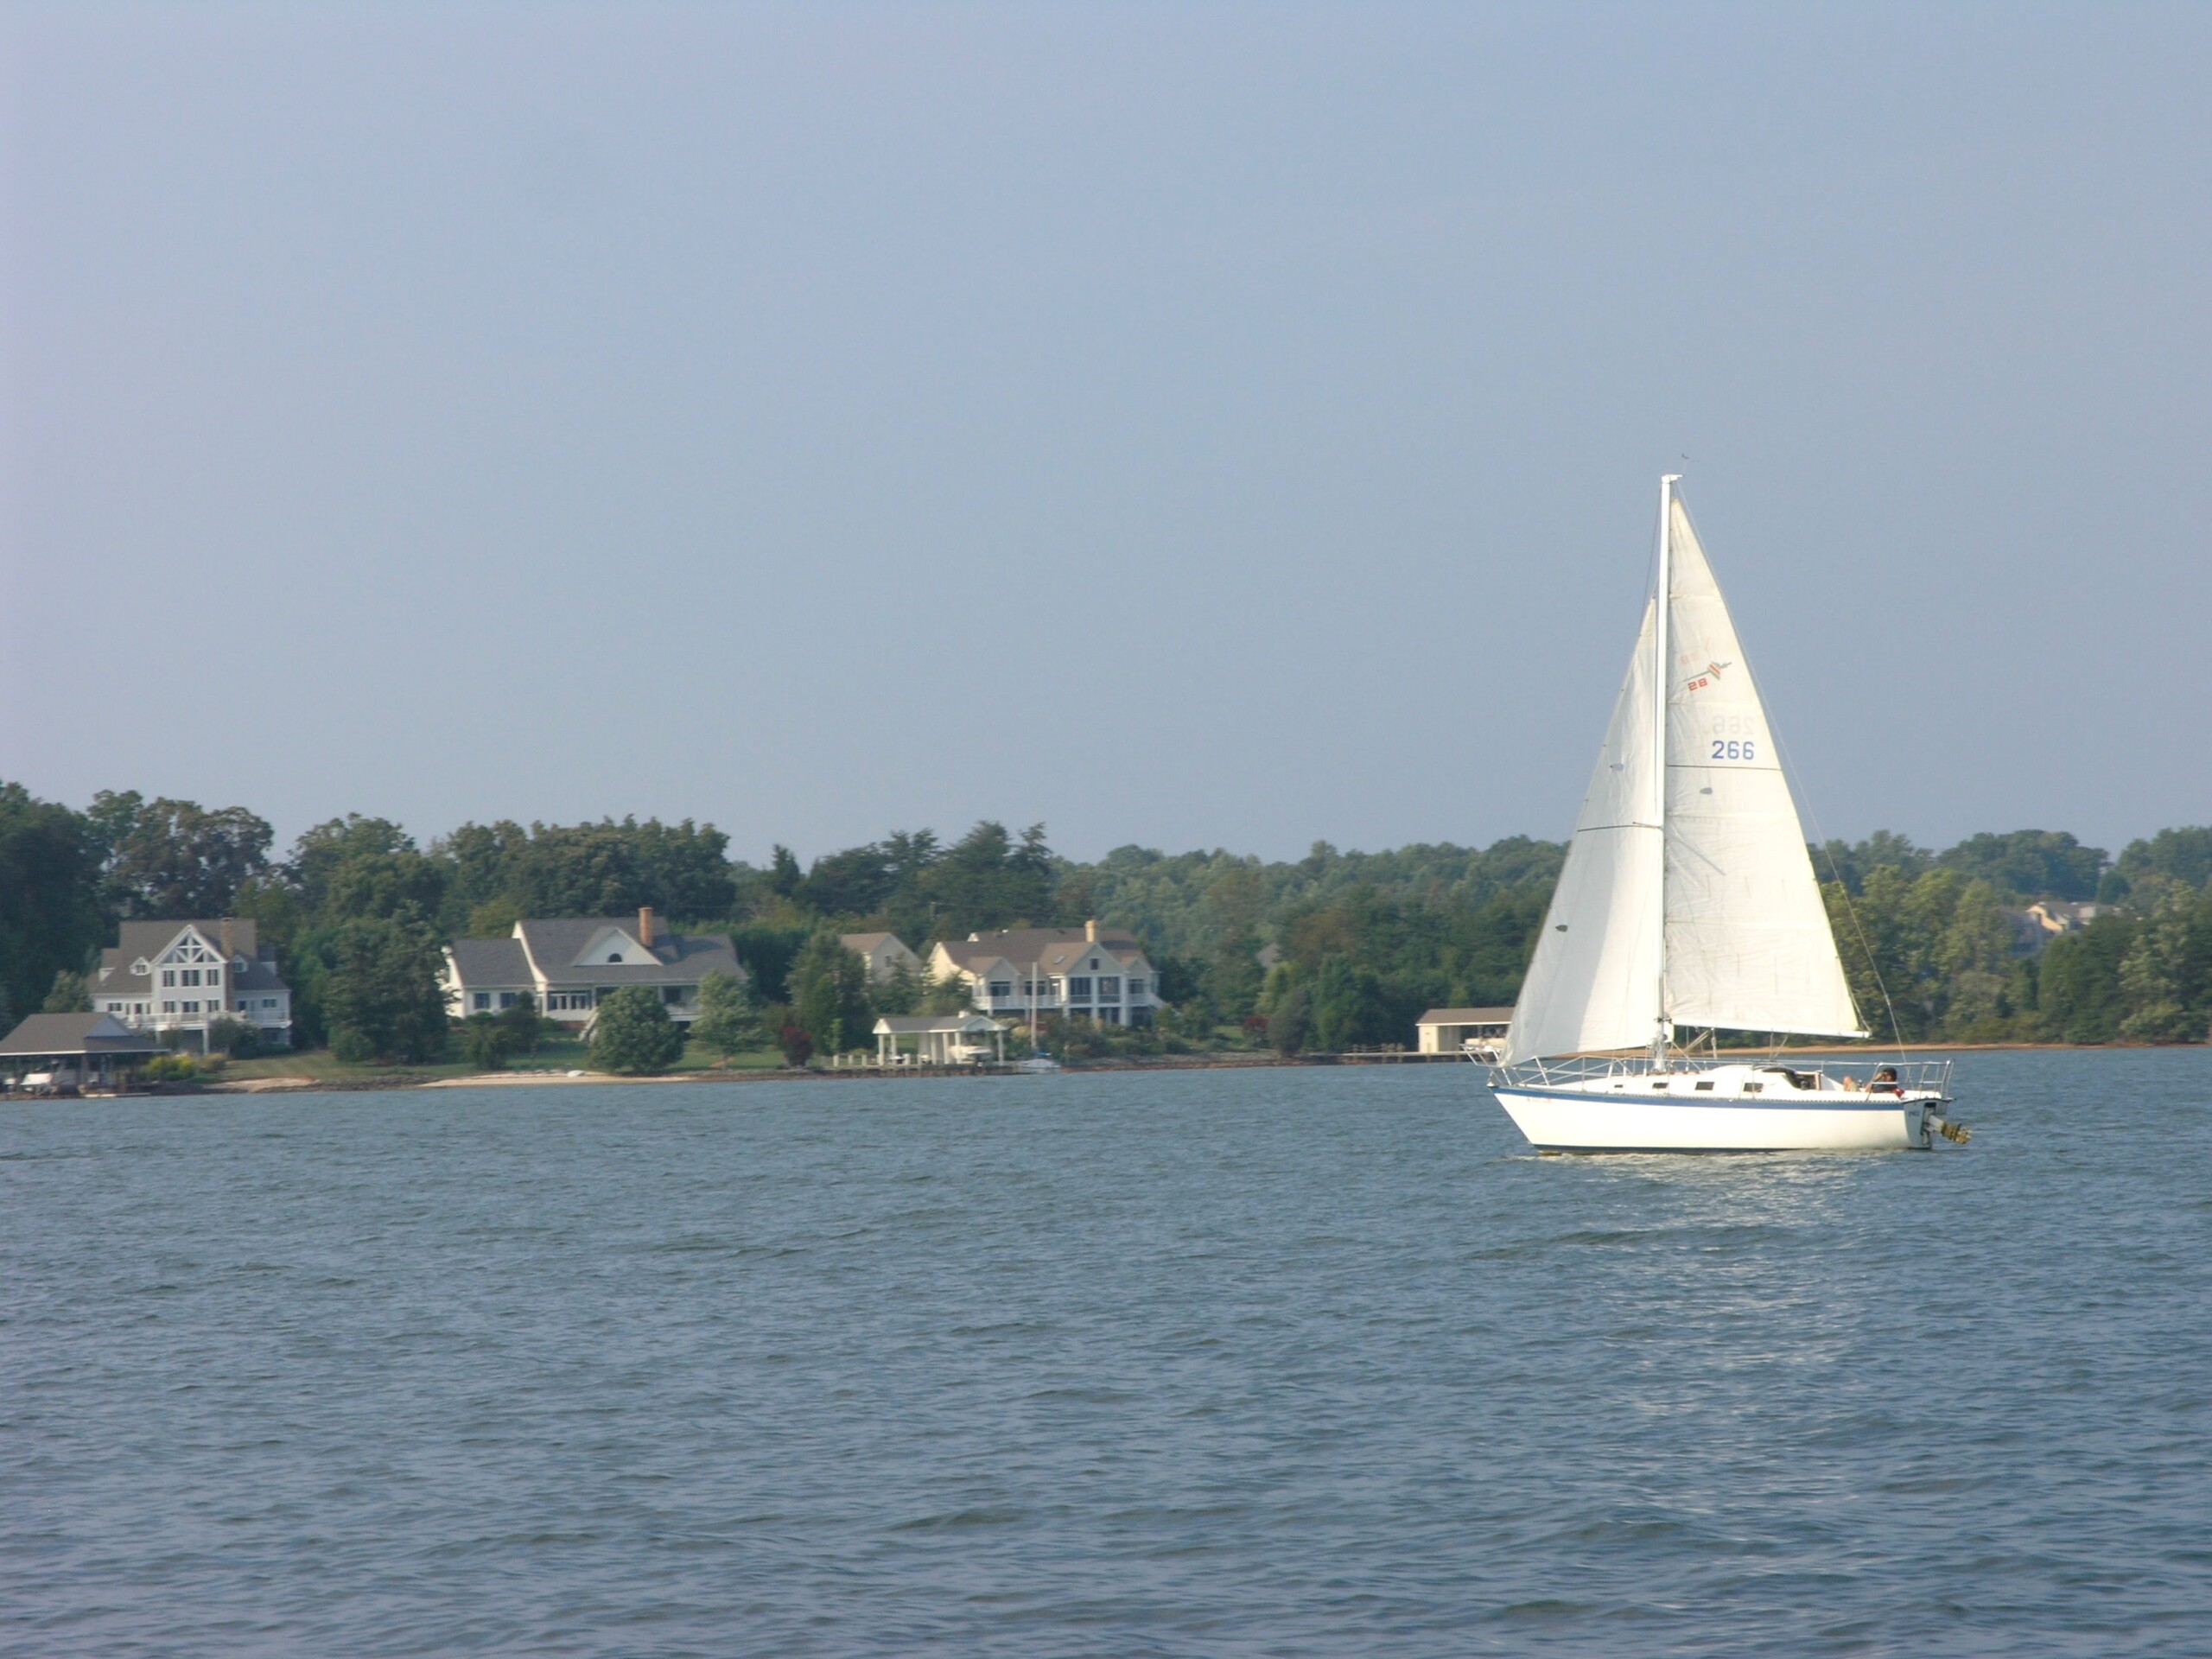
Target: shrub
487	1040
239	1038
634	1032
1288	1025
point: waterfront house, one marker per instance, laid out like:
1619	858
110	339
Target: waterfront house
1085	973
183	976
884	953
566	964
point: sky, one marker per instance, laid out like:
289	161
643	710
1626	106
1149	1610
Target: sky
1219	426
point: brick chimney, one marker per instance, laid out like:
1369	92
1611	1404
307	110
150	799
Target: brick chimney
645	926
1090	930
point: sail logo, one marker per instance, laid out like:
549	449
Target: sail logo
1705	677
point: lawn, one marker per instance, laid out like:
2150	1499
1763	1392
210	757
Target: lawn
554	1054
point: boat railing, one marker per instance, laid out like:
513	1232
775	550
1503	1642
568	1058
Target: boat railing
1857	1071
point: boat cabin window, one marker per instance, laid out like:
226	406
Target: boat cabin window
1755	1087
1706	1085
1662	1083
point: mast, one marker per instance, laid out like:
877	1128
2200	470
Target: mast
1661	680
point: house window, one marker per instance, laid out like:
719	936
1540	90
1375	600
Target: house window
245	1002
483	1000
568	1000
1002	987
1111	1016
1136	988
1079	988
214	976
615	955
506	999
268	1001
671	994
1109	988
168	977
191	1008
1094	964
169	1007
115	1007
192	975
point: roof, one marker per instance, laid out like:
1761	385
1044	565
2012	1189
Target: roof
44	1035
554	944
1052	948
864	943
489	962
146	941
1466	1017
921	1025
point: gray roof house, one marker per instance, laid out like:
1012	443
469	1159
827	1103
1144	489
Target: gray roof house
163	976
1086	972
566	964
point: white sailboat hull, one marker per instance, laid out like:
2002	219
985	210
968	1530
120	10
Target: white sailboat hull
1568	1120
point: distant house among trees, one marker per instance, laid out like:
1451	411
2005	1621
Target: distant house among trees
567	965
1085	973
185	976
884	953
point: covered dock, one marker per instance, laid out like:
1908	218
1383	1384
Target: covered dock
73	1050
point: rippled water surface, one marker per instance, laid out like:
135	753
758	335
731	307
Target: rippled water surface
1276	1362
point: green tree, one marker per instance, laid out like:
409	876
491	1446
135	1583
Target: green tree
68	994
174	860
1290	1022
900	992
2182	856
486	1042
494	919
593	870
525	1027
1347	1006
1973	959
49	893
632	1033
2028	863
2165	977
728	1020
239	1038
2078	984
379	991
828	988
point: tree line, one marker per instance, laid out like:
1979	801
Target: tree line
1334	950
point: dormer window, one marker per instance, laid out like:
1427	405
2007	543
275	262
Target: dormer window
615	955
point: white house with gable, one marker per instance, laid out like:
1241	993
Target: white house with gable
1085	973
567	964
183	976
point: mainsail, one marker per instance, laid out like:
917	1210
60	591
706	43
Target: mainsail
1692	901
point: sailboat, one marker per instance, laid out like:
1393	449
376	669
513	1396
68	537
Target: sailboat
1687	901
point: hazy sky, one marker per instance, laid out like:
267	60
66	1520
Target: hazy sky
1195	426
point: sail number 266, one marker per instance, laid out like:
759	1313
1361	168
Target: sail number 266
1731	748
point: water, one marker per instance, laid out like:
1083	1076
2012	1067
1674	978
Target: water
1280	1362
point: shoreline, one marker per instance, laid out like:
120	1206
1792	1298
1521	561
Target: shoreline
1240	1062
